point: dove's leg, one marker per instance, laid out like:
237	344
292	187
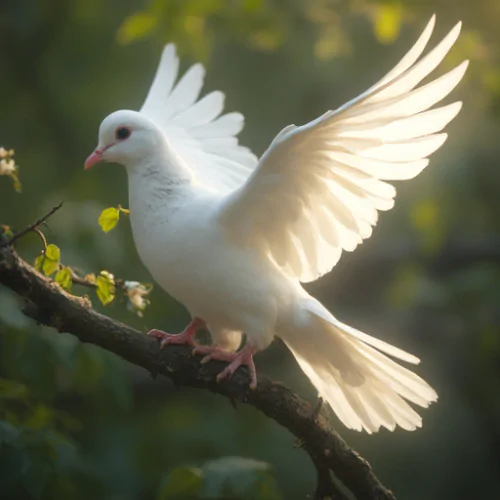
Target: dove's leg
235	359
186	337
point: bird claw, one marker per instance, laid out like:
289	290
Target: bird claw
184	338
213	352
235	359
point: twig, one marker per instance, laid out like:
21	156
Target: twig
42	237
33	227
52	306
79	280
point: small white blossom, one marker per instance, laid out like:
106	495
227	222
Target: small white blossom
136	292
6	153
130	285
7	167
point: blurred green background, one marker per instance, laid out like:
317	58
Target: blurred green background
77	422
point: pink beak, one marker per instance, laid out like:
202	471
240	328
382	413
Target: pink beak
94	158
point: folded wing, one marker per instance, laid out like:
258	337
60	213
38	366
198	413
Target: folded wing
318	188
195	128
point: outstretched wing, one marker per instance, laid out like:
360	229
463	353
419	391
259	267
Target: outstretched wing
317	189
196	130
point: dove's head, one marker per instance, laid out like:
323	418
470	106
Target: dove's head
125	137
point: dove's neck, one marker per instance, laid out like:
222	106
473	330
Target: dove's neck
159	181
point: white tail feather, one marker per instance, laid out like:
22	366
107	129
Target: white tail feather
366	389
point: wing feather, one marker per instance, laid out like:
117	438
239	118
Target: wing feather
318	188
196	129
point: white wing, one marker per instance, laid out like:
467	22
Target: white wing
317	188
205	140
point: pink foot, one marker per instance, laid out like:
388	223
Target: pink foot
172	338
184	338
235	359
213	352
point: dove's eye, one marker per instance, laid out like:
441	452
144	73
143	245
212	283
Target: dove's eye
122	133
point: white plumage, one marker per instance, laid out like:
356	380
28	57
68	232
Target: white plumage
204	140
329	174
232	237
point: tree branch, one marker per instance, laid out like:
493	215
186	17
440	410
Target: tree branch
34	227
48	304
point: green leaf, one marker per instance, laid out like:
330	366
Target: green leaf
105	287
39	262
50	267
136	26
53	253
63	278
51	262
109	218
239	477
182	483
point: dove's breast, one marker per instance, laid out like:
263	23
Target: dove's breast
187	253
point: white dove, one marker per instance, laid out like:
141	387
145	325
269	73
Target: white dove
232	237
